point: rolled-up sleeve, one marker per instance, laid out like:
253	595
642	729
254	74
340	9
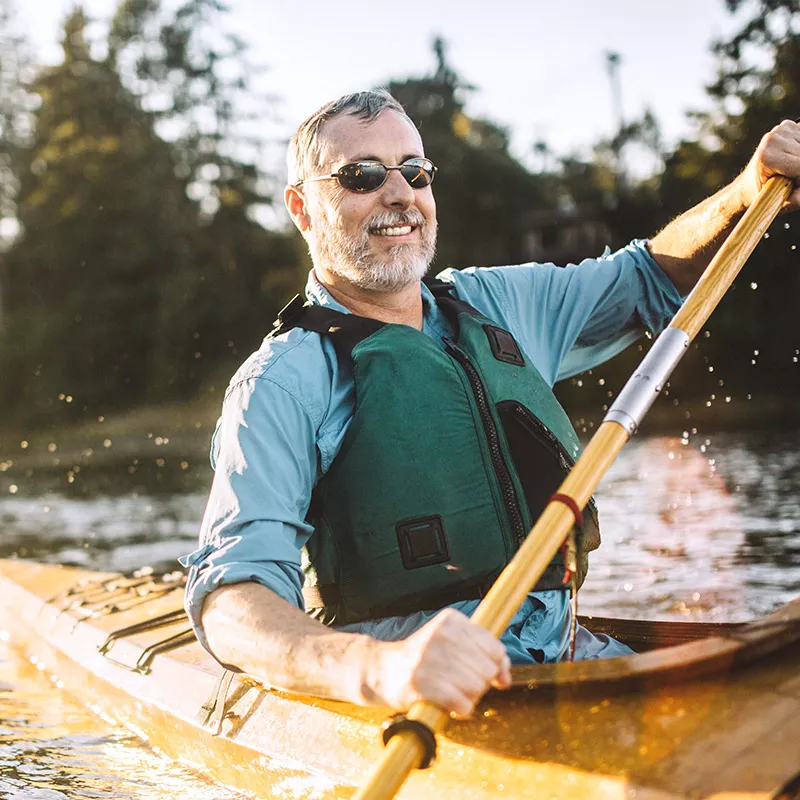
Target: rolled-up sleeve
254	526
573	318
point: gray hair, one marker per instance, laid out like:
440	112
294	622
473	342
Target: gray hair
305	147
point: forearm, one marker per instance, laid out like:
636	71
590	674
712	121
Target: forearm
684	248
252	628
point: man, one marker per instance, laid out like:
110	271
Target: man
334	439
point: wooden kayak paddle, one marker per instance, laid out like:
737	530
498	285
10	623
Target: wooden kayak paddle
410	743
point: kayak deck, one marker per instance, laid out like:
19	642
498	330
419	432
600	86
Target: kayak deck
706	716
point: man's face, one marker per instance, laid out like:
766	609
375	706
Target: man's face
382	240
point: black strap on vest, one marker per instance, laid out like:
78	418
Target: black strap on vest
451	306
344	330
348	330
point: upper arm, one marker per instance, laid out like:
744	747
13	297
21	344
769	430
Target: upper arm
254	524
572	318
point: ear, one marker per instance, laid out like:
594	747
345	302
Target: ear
295	202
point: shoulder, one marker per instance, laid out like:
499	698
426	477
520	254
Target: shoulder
494	291
296	363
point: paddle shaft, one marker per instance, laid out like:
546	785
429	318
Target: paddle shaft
404	751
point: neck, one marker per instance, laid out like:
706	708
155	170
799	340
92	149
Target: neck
401	307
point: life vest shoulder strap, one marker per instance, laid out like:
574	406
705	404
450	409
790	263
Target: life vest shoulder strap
345	330
444	294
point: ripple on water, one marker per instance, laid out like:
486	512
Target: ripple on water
52	748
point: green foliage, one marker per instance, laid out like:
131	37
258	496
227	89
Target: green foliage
140	267
15	107
758	85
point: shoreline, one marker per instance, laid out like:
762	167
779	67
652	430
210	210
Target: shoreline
174	438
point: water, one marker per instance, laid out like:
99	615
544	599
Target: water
52	748
701	527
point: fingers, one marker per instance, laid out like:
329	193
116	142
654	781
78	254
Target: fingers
779	151
450	662
469	657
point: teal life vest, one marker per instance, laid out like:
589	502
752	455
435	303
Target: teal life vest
449	459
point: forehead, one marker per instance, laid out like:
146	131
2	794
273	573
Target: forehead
389	137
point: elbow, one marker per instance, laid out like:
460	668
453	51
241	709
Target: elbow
218	621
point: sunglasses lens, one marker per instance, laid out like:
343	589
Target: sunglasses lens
364	176
418	172
367	176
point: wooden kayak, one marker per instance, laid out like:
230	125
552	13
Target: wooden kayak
703	710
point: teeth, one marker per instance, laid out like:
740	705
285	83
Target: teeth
406	229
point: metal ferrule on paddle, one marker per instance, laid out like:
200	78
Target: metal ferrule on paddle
405	751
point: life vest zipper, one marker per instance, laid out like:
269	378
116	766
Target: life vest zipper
510	499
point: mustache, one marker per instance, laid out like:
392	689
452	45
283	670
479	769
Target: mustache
396	219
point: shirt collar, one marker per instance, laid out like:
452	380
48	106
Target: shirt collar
318	294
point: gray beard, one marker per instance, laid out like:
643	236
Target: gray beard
352	258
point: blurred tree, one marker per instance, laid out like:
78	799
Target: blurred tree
484	196
15	127
197	82
756	332
141	266
103	218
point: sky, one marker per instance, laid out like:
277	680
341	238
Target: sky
539	68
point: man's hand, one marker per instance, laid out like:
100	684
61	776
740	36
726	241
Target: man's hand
685	247
450	662
778	153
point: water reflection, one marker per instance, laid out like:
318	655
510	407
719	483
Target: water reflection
700	528
105	532
52	748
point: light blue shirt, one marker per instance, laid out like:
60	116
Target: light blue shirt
289	405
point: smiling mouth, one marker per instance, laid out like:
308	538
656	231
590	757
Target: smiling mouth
399	230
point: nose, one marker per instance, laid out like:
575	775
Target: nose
397	193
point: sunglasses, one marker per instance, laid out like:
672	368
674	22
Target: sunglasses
368	176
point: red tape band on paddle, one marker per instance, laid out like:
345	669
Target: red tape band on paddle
572	505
